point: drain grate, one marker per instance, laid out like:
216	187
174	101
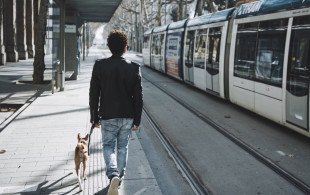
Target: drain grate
9	107
6	111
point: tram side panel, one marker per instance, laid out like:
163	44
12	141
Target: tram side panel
215	58
204	57
257	66
241	88
226	81
146	50
158	51
298	75
174	55
259	78
188	57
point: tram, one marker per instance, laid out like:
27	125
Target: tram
256	56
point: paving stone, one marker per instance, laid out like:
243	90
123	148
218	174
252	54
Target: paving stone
17	174
44	163
8	170
37	159
5	180
27	179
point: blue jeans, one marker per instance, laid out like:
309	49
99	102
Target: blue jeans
116	130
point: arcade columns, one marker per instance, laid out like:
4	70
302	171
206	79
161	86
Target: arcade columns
21	29
2	48
10	30
30	28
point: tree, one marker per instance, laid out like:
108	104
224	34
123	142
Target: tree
201	6
38	64
174	14
240	2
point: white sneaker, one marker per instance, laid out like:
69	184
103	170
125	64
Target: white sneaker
113	189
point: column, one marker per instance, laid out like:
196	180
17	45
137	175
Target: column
21	29
35	19
10	30
29	28
71	60
62	44
2	48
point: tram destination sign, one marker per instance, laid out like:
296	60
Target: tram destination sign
249	8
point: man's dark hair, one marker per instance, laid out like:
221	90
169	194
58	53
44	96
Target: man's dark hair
117	41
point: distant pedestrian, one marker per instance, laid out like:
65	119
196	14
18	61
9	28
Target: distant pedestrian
115	97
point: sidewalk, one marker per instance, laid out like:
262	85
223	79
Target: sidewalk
41	140
15	91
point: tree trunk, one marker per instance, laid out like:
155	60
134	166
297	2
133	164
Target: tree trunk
180	10
201	4
38	64
199	7
211	5
158	17
35	20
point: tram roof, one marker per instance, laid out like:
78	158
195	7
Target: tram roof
148	32
268	6
160	29
94	10
177	25
211	18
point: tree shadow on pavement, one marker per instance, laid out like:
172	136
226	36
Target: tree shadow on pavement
50	188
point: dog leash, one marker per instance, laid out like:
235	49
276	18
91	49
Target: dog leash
91	131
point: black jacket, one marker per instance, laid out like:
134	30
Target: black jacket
115	88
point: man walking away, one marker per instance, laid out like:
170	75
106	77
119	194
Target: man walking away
115	97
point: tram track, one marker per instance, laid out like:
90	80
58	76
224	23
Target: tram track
184	167
257	155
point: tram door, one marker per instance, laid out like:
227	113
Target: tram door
200	58
188	57
297	92
213	59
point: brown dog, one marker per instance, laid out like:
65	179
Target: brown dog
81	155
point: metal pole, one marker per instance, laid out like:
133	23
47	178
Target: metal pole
62	43
226	1
84	39
87	38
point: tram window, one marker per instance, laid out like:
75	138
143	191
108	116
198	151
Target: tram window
156	45
245	50
161	44
153	44
200	49
213	50
146	42
270	51
299	57
189	46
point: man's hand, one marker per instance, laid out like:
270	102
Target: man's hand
135	128
97	125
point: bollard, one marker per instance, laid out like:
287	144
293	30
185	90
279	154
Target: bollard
60	80
56	69
53	85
